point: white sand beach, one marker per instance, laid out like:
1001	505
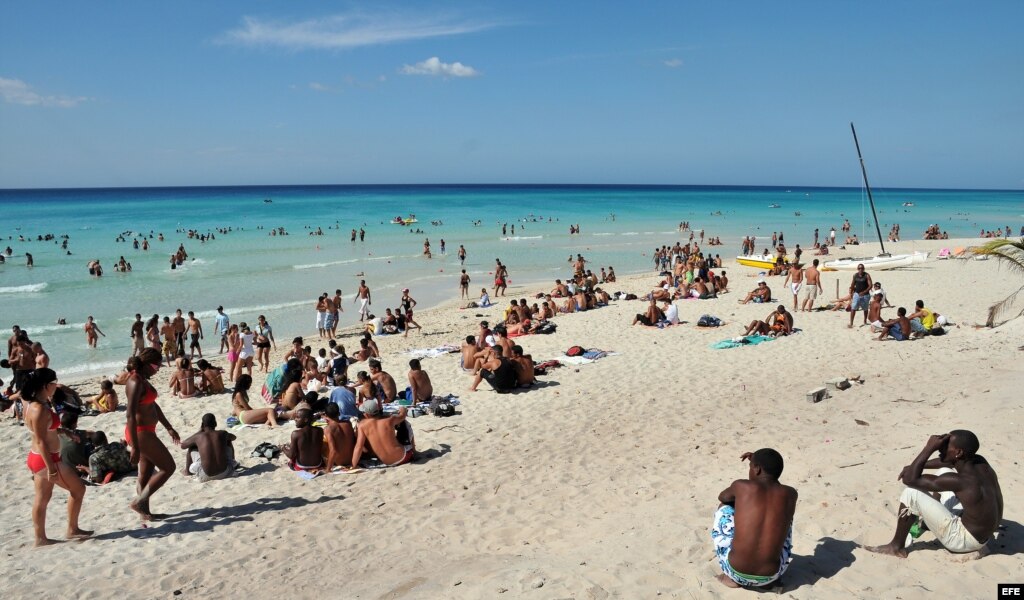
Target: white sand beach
600	483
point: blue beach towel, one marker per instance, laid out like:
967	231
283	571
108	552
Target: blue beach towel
750	340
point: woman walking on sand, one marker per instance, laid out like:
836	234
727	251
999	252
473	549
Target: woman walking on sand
264	338
156	465
234	347
245	352
44	458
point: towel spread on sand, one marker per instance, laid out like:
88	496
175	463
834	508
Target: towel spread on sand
583	360
750	340
434	352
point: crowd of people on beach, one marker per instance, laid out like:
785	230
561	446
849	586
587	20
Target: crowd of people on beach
353	423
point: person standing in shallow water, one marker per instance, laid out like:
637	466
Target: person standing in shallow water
156	465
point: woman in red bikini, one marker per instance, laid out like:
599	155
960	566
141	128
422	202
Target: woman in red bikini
155	462
44	458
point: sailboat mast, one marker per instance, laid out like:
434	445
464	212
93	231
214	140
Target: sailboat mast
867	185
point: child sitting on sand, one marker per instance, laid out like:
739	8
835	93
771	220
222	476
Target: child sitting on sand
106	401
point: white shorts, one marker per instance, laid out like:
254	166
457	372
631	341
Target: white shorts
796	287
940	519
321	319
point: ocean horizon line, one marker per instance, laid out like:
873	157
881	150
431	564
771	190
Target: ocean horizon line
500	186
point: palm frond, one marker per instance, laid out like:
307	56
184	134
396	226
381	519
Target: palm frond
1009	253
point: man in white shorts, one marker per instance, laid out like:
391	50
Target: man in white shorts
795	279
971	483
812	286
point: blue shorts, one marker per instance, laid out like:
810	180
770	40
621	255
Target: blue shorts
859	302
722	531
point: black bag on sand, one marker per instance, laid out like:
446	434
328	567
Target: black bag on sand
440	408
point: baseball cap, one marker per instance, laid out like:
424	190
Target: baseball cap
370	407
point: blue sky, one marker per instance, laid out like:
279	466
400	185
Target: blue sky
743	93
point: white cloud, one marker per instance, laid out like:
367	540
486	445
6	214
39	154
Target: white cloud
345	31
318	87
434	66
16	91
673	63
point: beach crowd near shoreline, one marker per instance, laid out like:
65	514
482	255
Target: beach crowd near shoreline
551	354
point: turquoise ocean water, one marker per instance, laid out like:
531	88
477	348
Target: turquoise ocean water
251	273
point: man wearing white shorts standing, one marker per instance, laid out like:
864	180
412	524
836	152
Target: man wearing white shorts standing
812	286
363	296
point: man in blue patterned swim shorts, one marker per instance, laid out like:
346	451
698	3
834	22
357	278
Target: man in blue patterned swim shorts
753	528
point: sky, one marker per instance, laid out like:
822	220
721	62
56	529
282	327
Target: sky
137	93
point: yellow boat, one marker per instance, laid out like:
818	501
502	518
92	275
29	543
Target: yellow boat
758	261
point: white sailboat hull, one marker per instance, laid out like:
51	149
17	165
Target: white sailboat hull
875	263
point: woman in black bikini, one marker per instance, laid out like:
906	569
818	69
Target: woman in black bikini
156	465
407	304
44	458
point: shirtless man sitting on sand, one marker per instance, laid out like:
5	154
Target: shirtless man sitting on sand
761	294
779	322
898	328
378	433
306	449
340	438
523	364
753	529
419	383
651	317
385	382
965	478
469	351
209	454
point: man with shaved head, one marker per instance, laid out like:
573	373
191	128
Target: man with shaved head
961	504
753	528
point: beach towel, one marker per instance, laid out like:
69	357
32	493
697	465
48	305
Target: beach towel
582	360
272	388
433	352
750	340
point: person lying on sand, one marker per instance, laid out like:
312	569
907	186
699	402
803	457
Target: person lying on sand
779	322
209	454
962	504
761	294
753	528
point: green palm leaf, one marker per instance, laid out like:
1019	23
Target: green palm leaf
1009	253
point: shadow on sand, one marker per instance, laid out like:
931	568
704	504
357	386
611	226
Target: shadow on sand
207	519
